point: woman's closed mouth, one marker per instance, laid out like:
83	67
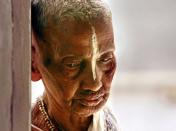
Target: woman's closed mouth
91	100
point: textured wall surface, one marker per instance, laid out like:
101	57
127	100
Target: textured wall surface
15	65
5	65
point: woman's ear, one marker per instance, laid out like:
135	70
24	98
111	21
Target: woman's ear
35	73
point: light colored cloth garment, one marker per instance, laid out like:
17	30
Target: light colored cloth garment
103	120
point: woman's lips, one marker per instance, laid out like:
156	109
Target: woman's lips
91	101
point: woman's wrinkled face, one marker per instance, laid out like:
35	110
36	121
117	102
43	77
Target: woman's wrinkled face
77	64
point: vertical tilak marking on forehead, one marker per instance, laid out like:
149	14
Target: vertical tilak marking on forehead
94	51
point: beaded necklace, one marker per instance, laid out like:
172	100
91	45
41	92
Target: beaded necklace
46	116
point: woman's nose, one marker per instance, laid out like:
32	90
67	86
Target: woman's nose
91	80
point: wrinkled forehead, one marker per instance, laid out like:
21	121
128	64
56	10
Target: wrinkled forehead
73	25
74	37
70	26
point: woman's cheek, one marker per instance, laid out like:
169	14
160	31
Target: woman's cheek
109	73
111	67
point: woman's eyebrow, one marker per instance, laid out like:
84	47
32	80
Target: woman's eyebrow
107	51
71	57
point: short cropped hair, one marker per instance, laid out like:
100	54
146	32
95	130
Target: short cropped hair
57	10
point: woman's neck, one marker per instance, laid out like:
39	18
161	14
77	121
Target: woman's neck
63	118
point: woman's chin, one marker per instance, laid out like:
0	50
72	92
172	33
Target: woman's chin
86	109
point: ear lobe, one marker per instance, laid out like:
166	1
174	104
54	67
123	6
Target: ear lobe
35	73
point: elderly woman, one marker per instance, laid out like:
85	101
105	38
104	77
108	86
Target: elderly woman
73	54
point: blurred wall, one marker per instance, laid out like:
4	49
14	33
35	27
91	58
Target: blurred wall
145	33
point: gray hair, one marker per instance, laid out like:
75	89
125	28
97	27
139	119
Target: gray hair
57	10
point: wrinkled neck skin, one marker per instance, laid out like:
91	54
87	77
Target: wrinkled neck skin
66	120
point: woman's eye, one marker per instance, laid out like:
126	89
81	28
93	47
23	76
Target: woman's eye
106	60
72	65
